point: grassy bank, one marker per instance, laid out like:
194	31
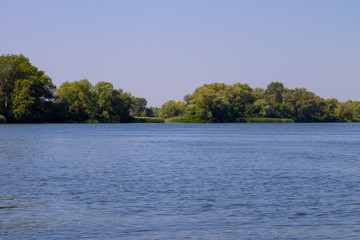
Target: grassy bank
266	120
190	119
148	120
103	120
193	119
134	120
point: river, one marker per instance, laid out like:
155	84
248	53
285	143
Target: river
180	181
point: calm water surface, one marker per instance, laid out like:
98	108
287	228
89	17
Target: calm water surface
180	181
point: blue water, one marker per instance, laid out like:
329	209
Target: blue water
180	181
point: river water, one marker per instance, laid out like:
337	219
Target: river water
180	181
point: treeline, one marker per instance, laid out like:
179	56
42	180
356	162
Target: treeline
218	102
28	95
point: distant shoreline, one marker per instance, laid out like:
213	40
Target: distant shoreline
182	120
27	95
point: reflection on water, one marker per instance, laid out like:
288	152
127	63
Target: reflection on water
178	181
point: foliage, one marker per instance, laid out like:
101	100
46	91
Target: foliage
218	102
263	107
26	93
348	111
82	101
329	111
155	111
274	93
2	119
138	106
111	103
78	99
172	109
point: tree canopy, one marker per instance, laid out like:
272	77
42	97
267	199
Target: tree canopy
82	101
26	93
218	102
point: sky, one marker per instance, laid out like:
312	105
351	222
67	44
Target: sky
163	49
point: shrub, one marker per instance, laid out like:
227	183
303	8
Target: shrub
2	119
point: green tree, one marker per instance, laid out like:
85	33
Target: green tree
22	100
138	106
155	111
273	93
187	99
329	112
110	103
148	112
172	109
82	101
2	119
281	110
357	110
219	102
258	93
26	93
10	71
104	94
348	111
241	99
123	105
210	102
78	99
263	107
308	106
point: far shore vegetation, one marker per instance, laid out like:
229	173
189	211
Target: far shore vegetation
27	95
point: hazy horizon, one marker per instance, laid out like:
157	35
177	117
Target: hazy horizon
162	50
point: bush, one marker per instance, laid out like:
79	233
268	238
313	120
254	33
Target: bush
92	121
2	119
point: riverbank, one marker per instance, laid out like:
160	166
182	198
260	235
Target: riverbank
190	119
193	119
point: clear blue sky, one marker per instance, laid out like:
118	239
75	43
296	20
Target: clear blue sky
162	50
